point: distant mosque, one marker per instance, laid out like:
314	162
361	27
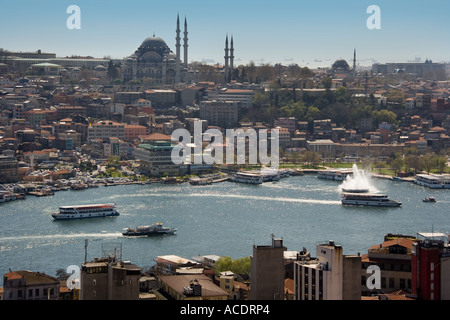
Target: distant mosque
154	63
341	68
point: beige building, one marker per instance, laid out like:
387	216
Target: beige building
190	287
223	114
330	276
393	257
267	271
27	285
106	129
109	279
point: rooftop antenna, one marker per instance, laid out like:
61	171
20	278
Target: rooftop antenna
85	249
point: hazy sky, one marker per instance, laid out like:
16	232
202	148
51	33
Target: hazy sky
309	33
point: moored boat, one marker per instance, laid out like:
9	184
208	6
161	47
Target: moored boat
152	230
369	199
200	181
85	211
338	174
246	177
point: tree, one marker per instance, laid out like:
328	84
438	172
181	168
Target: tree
439	163
427	162
238	266
311	157
326	82
396	164
413	161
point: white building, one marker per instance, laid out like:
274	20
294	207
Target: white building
330	276
106	129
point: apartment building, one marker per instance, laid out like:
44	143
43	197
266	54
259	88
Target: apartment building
431	266
330	276
106	129
223	114
109	279
393	257
28	285
267	271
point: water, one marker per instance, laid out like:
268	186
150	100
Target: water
221	219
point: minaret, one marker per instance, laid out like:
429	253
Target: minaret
231	59
226	59
185	44
178	45
354	63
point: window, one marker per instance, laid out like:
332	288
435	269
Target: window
37	293
391	283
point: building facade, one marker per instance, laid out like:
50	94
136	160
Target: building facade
330	276
267	271
109	279
106	129
431	267
27	285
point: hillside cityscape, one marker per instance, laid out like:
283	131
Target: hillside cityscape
81	122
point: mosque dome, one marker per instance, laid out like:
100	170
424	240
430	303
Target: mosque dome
155	44
340	64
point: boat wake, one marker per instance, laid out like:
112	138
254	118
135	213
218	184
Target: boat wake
63	236
245	197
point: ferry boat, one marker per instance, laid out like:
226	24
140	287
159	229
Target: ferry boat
200	181
85	211
270	175
246	177
152	230
369	199
433	181
339	174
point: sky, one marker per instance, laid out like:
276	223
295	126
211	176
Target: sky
309	33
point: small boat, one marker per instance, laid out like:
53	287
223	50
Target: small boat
152	230
429	199
397	179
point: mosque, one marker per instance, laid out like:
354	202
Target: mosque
155	64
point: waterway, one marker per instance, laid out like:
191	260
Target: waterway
225	219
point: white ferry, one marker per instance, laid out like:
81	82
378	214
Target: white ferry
369	199
246	177
85	211
270	175
339	174
433	181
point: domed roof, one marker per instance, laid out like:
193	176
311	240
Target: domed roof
340	64
155	44
100	68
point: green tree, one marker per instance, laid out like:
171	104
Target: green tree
238	266
311	158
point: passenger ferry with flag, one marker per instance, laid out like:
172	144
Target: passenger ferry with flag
86	211
369	199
